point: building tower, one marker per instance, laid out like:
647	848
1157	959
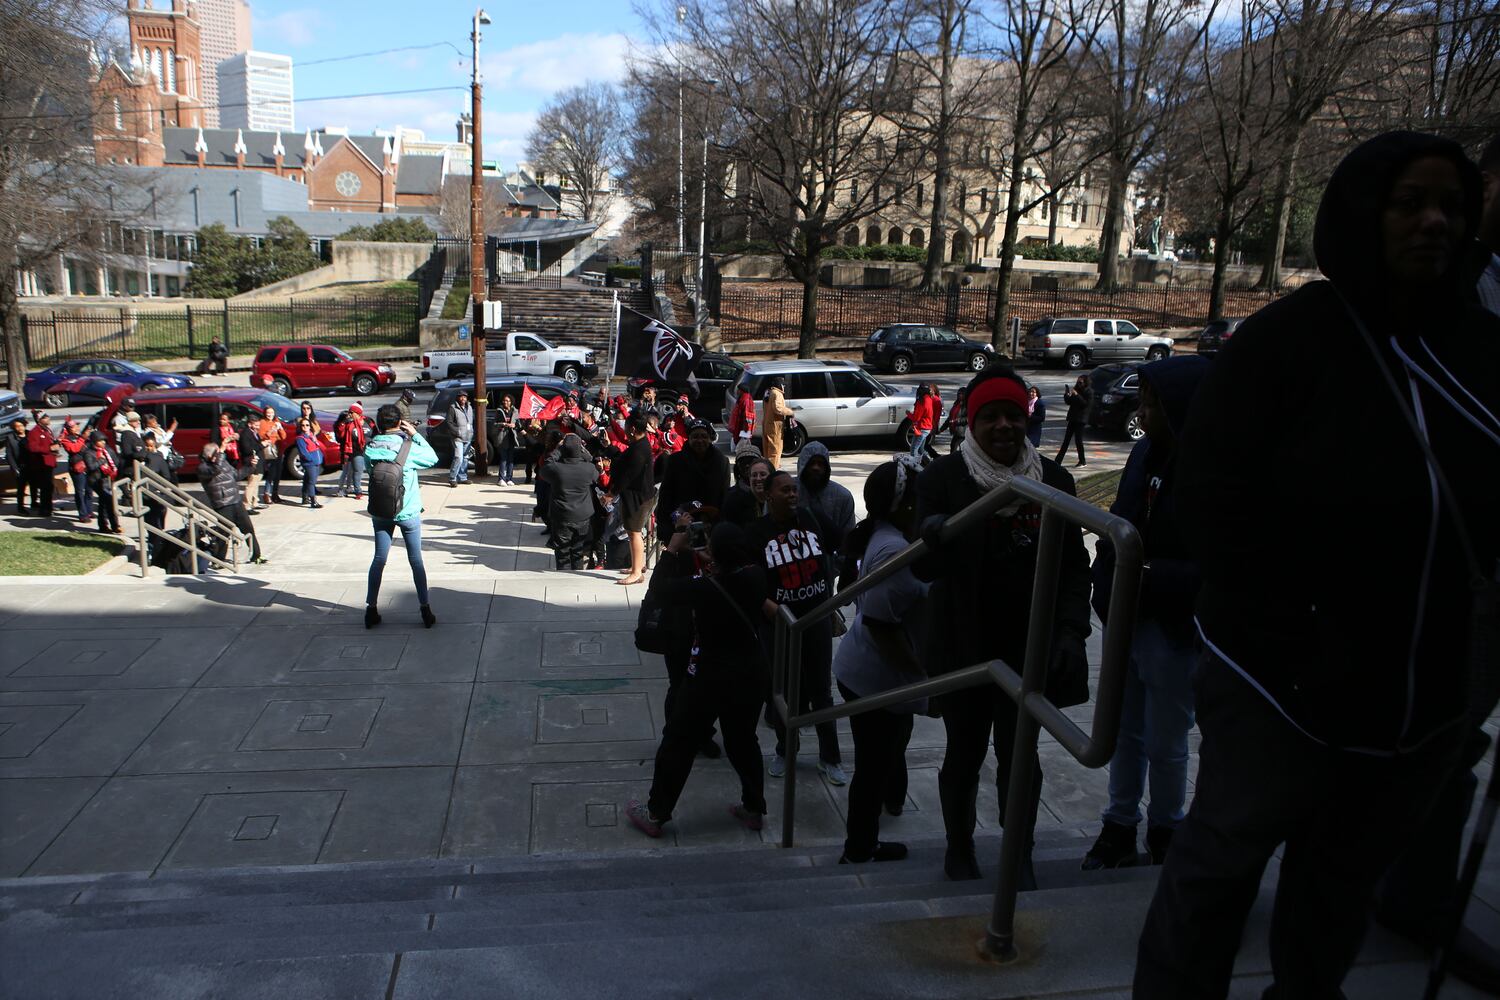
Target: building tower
225	26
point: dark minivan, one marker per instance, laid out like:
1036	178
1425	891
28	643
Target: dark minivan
1216	334
904	347
441	438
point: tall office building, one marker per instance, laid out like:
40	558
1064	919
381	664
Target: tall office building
255	92
225	26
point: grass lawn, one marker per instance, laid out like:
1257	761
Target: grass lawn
1100	488
54	553
457	306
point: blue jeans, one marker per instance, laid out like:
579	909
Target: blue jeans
507	463
310	482
458	472
352	475
918	442
1154	721
81	494
411	537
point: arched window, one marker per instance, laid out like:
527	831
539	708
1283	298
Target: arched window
1085	212
872	236
119	115
960	254
894	236
851	236
171	71
1075	211
917	238
156	69
1046	209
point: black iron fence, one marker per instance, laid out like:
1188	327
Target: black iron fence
154	333
755	311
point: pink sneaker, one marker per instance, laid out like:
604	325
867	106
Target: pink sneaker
641	818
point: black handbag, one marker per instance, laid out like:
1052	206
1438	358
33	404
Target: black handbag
658	629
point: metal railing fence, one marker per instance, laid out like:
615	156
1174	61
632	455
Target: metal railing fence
1027	689
202	521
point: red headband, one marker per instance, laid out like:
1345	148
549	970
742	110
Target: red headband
997	389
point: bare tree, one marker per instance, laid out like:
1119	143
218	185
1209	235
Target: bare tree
53	199
1462	69
579	136
816	117
1144	61
453	204
1042	97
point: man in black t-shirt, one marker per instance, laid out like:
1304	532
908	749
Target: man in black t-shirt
799	574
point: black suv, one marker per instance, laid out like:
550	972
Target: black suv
441	437
903	347
716	374
1216	334
1117	397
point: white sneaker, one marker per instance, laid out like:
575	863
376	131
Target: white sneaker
833	773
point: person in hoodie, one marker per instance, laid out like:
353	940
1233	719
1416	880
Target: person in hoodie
221	484
385	446
698	473
1335	619
816	491
1158	703
571	478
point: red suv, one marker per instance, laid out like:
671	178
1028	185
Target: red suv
197	414
295	367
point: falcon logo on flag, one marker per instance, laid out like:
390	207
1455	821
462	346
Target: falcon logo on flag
651	349
534	407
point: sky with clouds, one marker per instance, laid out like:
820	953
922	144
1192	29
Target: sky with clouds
530	52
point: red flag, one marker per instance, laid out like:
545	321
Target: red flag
532	405
554	408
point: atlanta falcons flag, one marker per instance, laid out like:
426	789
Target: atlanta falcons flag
650	349
533	407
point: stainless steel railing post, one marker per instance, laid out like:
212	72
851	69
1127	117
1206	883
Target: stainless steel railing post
1015	843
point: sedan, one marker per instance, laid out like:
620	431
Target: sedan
80	389
1117	397
10	406
38	387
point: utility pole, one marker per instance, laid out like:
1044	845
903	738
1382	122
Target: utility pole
477	277
681	197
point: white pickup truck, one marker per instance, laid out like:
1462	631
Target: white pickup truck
523	354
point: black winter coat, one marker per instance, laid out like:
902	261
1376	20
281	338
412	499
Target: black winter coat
220	481
572	476
686	478
725	641
980	601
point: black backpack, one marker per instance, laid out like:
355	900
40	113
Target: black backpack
388	485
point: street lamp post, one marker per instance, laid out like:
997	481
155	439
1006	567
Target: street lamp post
681	209
477	341
699	313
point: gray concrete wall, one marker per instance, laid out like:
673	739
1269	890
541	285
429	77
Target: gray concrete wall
353	260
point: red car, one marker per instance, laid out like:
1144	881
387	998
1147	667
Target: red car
197	414
294	367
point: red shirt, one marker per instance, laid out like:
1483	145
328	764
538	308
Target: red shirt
921	415
74	444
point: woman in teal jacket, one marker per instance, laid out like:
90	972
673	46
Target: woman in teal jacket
385	447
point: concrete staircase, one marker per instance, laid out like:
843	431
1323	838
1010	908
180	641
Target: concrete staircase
680	922
563	315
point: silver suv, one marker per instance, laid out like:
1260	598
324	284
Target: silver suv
832	400
1079	342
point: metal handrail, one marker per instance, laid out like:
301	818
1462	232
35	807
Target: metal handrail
1027	689
195	514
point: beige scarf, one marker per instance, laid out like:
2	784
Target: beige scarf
989	474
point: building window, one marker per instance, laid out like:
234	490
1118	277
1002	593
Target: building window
851	237
1046	209
1084	213
1075	211
854	192
872	236
894	236
900	195
984	199
171	71
921	195
917	238
119	116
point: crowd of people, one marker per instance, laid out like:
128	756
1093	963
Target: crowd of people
1332	639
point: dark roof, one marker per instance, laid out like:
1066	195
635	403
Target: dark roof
179	144
526	196
546	230
419	175
372	146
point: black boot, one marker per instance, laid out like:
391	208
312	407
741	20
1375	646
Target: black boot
958	820
960	864
1158	839
1115	848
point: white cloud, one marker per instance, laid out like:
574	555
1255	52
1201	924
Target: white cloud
555	64
289	29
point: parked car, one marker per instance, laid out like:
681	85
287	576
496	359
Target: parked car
715	374
1216	334
295	367
904	347
833	400
10	406
81	389
441	437
197	410
1077	342
523	354
38	386
1117	396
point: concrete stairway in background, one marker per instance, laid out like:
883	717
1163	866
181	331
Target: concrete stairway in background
679	922
562	315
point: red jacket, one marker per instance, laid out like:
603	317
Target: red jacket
74	444
351	435
921	415
742	417
39	441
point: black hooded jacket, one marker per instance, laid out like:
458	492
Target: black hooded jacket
1333	578
572	475
1147	499
687	477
